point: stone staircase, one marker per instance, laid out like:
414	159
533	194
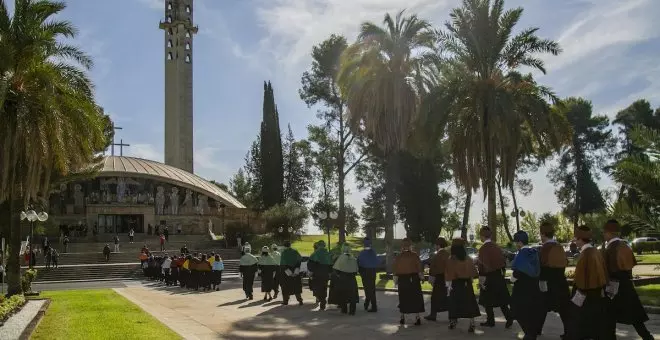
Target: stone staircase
84	261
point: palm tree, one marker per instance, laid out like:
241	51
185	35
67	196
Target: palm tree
50	124
383	76
487	104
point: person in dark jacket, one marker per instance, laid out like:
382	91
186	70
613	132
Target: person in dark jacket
526	299
106	252
623	302
291	282
267	270
368	264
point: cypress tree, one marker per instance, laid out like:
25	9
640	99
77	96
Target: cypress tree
272	172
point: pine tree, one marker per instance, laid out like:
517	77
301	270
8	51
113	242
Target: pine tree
272	172
296	174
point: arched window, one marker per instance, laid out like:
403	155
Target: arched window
169	5
188	9
187	58
187	34
169	43
187	46
169	56
169	18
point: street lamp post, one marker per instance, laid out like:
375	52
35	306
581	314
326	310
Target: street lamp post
326	219
32	216
517	213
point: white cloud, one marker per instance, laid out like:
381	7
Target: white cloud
294	26
608	23
146	151
210	166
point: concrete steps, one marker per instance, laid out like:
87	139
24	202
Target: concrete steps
112	271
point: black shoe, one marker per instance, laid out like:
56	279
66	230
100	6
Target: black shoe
285	303
430	318
508	324
402	321
366	306
452	325
488	324
322	307
471	329
344	311
418	322
300	302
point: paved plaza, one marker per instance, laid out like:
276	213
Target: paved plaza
227	315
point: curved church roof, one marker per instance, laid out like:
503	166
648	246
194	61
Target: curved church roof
137	167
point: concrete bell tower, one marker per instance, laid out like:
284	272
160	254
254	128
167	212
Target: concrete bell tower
179	30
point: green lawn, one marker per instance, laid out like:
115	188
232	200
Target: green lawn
648	259
305	245
97	314
649	294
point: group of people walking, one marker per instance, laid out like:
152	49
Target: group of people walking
332	281
193	271
601	296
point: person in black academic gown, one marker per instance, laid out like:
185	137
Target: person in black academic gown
624	305
439	299
248	266
493	291
459	273
526	299
408	275
343	287
319	267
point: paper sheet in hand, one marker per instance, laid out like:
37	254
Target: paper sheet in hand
578	298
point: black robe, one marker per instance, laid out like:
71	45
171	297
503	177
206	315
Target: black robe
267	278
439	299
343	289
527	303
319	281
625	307
411	299
557	297
291	285
496	293
248	277
461	302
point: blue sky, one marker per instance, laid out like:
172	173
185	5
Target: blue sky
610	57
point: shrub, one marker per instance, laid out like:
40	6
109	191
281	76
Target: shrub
232	229
27	279
285	220
10	306
646	247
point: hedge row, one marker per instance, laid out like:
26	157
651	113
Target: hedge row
10	306
646	247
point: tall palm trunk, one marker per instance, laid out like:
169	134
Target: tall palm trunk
504	216
390	200
489	149
466	214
